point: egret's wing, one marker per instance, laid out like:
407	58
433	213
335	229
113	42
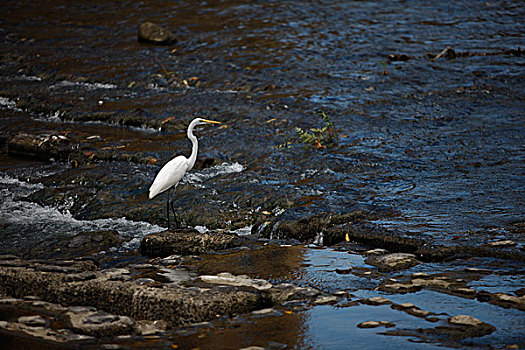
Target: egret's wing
169	175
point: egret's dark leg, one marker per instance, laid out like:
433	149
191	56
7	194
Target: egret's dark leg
177	221
168	208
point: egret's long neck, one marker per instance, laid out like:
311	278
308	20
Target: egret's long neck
194	148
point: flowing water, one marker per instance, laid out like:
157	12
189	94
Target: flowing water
428	140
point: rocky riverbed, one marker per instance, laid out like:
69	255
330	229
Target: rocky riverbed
365	187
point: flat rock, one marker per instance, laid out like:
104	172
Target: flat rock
399	287
376	301
100	323
465	320
154	34
325	299
186	242
226	278
393	261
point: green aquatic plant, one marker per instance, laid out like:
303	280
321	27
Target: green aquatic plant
319	137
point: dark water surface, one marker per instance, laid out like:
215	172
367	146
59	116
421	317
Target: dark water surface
432	146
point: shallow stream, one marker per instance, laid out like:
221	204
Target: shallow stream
428	141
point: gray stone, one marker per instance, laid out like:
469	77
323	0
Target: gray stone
100	323
152	33
226	278
392	262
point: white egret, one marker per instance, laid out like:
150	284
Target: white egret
171	173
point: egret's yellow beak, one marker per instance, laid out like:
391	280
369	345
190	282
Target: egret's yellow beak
210	121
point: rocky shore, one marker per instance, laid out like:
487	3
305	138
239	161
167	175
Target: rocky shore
74	302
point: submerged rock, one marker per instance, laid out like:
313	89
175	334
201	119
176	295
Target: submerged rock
186	242
154	34
374	324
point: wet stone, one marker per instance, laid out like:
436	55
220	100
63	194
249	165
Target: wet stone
32	321
503	243
376	252
59	269
154	34
266	312
289	292
100	323
322	300
399	288
376	301
226	278
375	324
342	294
186	242
146	327
465	320
392	262
9	301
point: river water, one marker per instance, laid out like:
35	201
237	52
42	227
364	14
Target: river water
428	140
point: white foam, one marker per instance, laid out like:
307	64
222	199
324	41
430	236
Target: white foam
49	220
88	86
196	177
243	231
8	103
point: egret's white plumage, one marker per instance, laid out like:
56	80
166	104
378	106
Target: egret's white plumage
171	173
